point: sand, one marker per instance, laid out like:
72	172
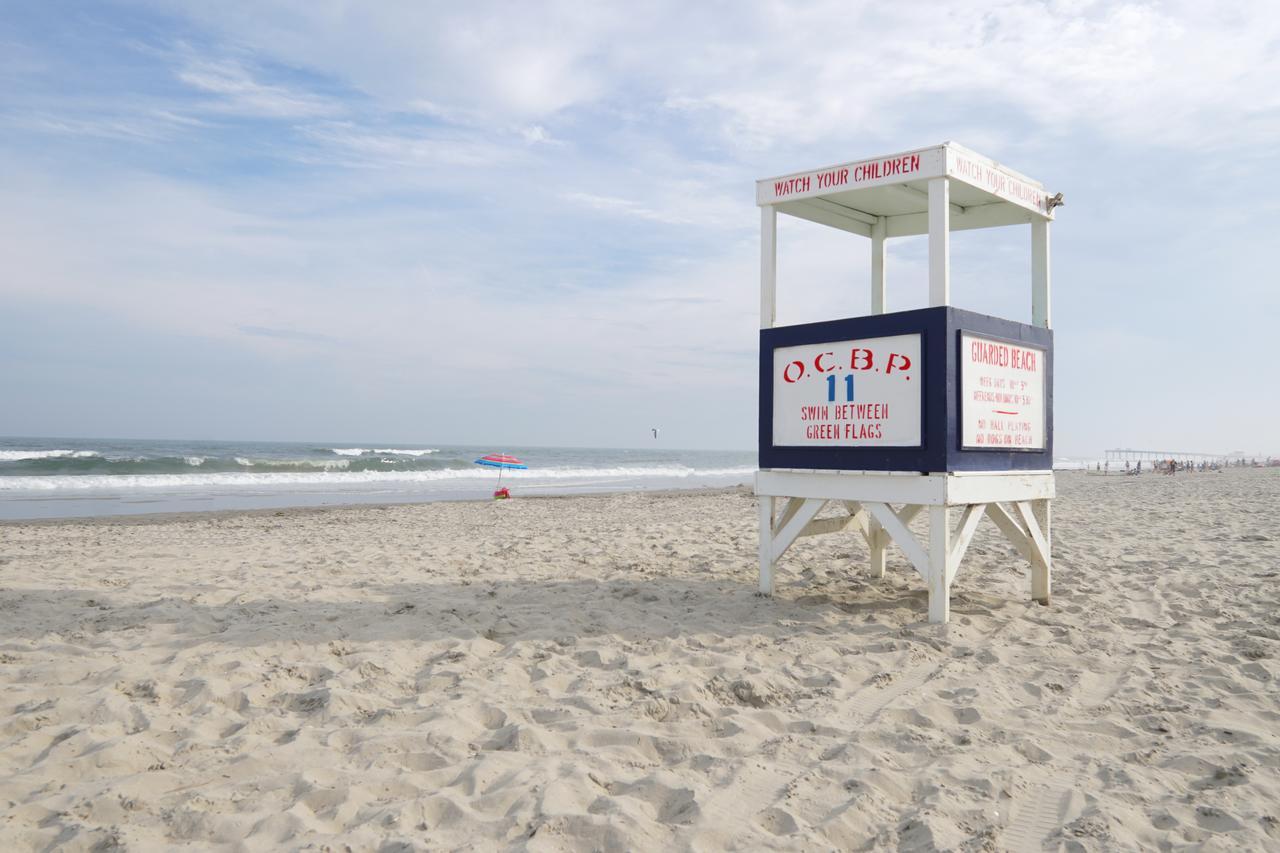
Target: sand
597	673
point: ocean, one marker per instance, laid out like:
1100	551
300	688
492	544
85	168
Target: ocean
76	477
67	478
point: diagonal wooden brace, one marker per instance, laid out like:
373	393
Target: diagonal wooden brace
838	524
1010	528
964	534
896	527
786	533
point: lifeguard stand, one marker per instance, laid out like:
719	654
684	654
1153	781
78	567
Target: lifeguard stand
889	414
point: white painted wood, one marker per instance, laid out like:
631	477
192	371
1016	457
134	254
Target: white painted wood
922	197
785	534
877	544
939	576
1027	522
788	512
975	216
901	536
1041	575
879	255
768	267
861	518
844	210
912	489
1011	529
839	524
793	186
824	215
1039	559
969	167
978	475
939	242
1040	273
908	513
969	519
766	546
998	486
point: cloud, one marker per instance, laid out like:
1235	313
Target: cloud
624	207
288	335
1168	73
236	91
141	126
361	145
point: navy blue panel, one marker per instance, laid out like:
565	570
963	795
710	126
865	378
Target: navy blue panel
940	448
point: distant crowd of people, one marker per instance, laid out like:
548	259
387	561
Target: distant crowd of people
1173	466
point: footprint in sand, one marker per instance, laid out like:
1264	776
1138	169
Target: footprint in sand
776	821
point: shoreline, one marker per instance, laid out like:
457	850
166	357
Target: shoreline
163	516
289	509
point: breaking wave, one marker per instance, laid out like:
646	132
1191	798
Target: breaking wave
24	455
361	451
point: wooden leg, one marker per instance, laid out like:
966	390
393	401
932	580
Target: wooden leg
939	557
877	542
766	545
1042	567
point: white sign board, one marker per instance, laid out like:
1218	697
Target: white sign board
858	393
1002	399
917	165
997	181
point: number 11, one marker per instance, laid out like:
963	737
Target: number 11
848	388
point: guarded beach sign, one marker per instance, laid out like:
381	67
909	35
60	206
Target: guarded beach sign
1002	399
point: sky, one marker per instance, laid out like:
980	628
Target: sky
535	224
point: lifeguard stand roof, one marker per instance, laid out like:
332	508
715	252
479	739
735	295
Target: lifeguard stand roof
854	196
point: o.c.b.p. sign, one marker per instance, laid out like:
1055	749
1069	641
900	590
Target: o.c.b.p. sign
851	393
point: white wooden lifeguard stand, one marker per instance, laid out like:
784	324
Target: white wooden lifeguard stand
949	438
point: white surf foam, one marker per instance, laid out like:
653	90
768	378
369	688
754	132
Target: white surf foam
360	451
23	455
322	464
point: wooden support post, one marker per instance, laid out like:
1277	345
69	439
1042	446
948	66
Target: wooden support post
878	256
939	242
768	266
877	542
1040	273
766	546
1042	569
939	578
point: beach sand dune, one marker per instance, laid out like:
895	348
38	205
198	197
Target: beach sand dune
597	673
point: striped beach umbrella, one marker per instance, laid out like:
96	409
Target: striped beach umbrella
501	461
